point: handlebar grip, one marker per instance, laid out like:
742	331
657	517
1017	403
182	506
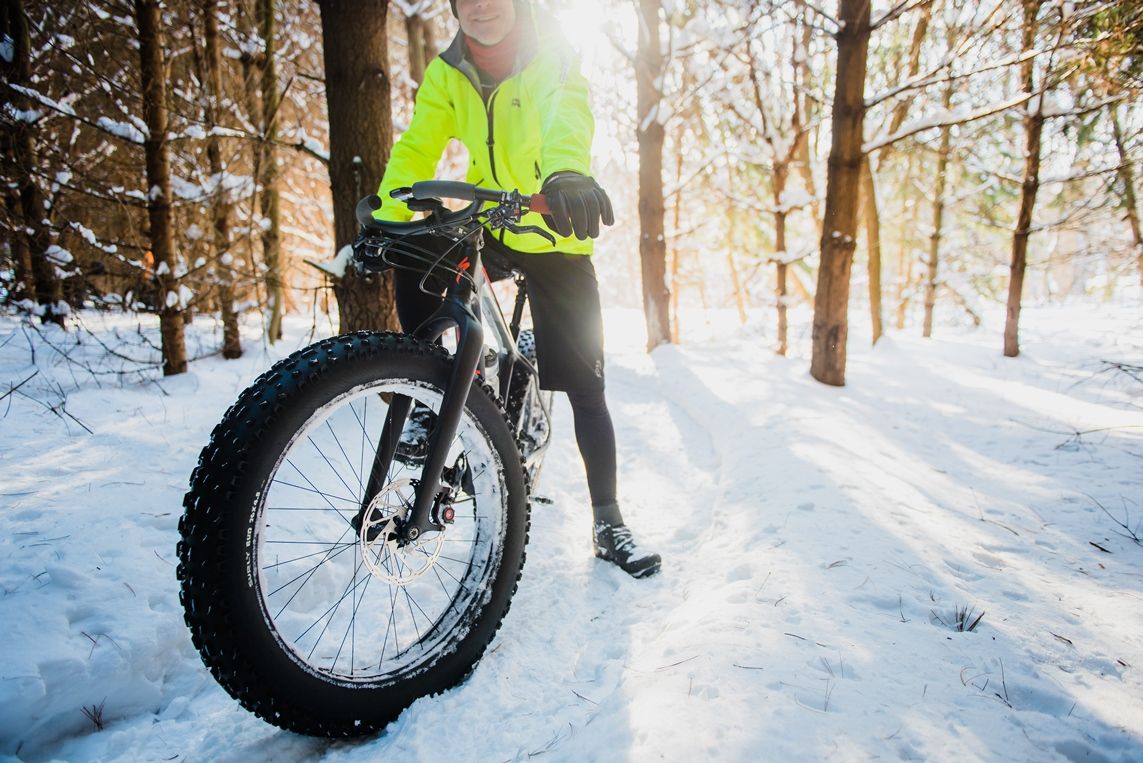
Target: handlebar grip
365	209
444	189
537	203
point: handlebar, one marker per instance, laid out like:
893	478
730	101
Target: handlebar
426	190
381	242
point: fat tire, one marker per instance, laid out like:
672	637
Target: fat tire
521	377
221	605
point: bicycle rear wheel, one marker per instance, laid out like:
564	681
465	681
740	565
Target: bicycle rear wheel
311	618
529	410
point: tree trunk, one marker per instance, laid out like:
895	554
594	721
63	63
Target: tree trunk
938	219
360	136
220	203
831	300
1033	128
41	283
736	283
652	246
904	254
676	253
24	283
268	171
422	45
781	173
804	112
148	18
872	219
1127	177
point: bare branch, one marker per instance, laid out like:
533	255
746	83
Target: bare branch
896	11
949	118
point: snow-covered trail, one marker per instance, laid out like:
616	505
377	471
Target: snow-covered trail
814	539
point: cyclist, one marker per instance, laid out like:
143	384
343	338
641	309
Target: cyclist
509	88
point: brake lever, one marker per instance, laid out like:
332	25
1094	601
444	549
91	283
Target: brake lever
531	229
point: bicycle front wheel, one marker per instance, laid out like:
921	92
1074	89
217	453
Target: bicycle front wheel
301	604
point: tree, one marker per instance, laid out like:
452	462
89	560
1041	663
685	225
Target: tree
839	229
938	219
1127	181
1033	129
268	170
419	38
871	213
651	135
220	203
786	143
360	137
148	19
35	268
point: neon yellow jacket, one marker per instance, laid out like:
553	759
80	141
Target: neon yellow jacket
537	122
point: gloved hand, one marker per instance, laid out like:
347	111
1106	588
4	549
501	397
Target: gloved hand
577	204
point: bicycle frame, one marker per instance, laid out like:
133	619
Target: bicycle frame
461	312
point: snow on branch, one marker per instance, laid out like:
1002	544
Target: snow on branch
43	100
944	119
127	131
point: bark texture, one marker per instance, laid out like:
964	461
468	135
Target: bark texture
220	203
1127	178
652	244
148	19
871	216
360	137
268	171
1033	129
37	273
422	45
831	299
938	221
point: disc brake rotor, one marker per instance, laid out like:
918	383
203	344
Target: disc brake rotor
385	556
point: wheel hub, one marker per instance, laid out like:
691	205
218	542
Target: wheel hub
389	551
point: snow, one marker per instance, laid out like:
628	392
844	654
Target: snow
58	255
36	95
816	542
125	130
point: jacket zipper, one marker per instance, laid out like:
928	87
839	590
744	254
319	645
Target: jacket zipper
491	140
492	143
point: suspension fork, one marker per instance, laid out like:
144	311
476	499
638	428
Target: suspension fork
453	312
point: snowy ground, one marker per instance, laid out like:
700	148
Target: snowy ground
817	543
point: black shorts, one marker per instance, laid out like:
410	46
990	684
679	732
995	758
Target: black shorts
564	298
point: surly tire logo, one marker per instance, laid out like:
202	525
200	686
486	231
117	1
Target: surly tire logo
251	543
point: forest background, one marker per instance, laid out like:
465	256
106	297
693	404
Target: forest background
882	162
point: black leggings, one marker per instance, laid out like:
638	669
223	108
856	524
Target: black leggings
595	435
565	310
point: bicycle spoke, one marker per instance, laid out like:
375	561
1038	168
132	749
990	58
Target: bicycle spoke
319	595
330	555
311	489
344	455
325	458
295	559
349	588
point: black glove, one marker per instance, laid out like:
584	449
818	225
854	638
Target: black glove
577	204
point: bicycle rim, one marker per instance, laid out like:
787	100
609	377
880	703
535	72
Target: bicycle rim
361	612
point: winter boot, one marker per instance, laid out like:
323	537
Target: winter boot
614	543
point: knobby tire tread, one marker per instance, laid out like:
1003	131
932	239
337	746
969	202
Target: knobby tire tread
222	464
